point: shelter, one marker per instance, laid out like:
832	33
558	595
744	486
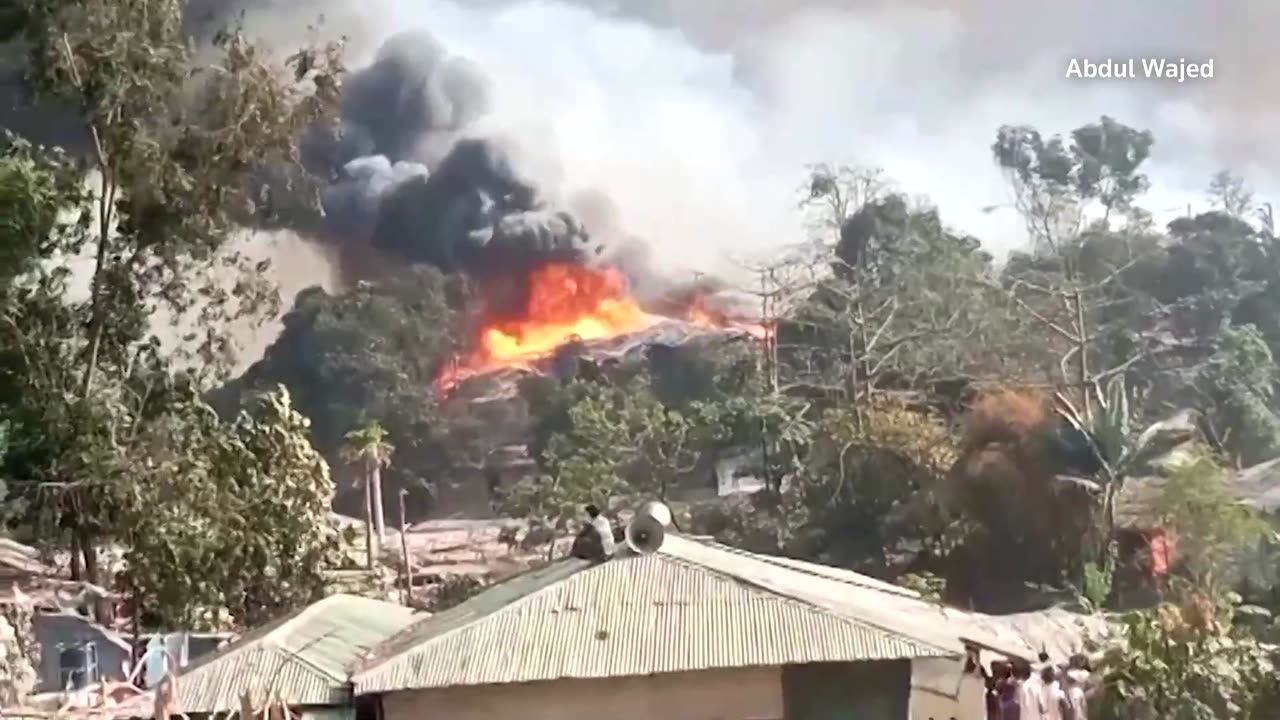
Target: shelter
692	630
303	661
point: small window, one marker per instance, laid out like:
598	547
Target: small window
78	665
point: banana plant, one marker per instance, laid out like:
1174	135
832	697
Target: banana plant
1112	426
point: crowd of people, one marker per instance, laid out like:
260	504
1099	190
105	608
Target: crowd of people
1020	690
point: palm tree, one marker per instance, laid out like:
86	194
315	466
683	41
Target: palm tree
367	446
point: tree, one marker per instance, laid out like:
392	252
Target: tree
35	185
1237	387
871	485
1120	446
1213	529
373	351
1186	663
367	448
900	302
174	140
227	522
1070	195
622	444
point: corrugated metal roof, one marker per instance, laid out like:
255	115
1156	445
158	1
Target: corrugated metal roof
22	558
690	606
826	571
303	659
1058	632
896	610
1257	486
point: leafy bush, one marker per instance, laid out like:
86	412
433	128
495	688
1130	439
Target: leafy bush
1187	663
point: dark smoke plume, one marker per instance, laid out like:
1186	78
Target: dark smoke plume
419	182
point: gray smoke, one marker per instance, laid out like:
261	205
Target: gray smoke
697	117
421	181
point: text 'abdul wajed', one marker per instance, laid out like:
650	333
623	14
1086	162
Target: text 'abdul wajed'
1180	70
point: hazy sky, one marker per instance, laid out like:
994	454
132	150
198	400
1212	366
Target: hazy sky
699	116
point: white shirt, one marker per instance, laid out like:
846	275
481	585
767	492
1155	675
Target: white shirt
1077	698
1031	699
605	530
1053	695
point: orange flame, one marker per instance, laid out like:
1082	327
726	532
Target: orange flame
700	312
567	302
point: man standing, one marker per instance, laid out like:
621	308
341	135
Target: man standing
1055	700
1031	695
1074	681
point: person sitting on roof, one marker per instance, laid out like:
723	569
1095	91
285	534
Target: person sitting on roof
595	540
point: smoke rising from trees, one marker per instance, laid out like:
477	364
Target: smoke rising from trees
419	182
694	120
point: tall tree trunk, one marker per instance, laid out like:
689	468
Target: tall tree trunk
85	541
404	553
77	558
92	574
368	521
379	517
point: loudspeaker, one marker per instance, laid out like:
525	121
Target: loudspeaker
645	534
648	528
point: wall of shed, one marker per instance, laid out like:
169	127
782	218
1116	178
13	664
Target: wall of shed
837	691
941	690
54	631
747	694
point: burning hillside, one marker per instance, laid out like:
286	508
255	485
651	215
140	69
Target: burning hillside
563	302
417	178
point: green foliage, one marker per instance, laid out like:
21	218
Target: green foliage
930	586
1239	379
1214	530
622	444
228	523
373	351
368	445
869	485
1055	178
1186	664
35	185
893	292
1099	579
174	141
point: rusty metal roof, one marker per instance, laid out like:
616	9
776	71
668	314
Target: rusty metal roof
1056	631
305	658
23	559
691	606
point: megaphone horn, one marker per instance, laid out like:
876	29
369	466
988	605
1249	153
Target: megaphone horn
657	511
648	528
645	534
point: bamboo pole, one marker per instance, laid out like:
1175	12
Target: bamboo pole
404	552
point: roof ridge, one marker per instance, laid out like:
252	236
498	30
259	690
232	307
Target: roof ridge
296	656
801	602
519	601
911	633
265	636
272	638
802	567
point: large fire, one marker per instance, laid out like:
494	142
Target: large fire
564	302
